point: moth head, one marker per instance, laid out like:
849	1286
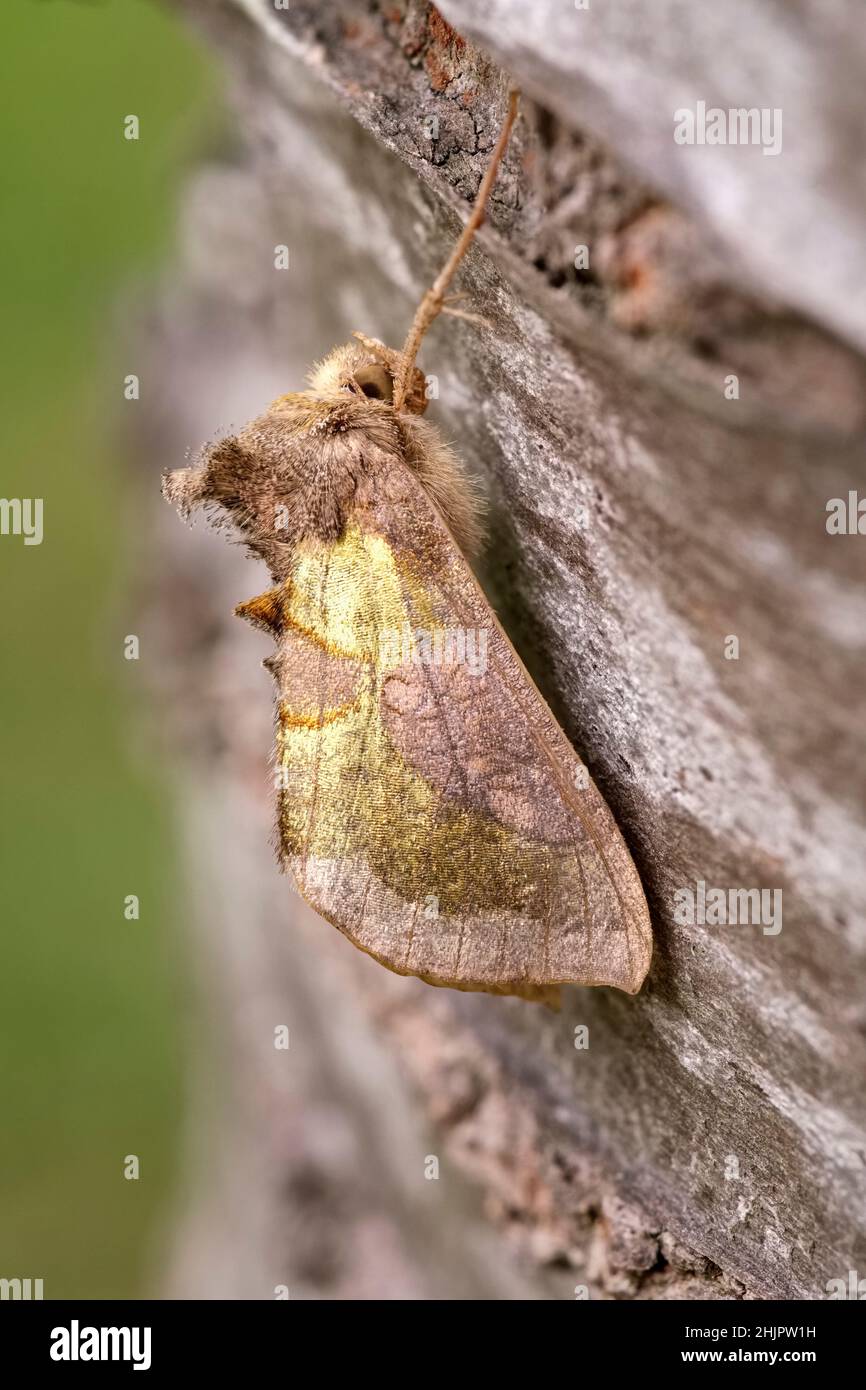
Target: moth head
365	369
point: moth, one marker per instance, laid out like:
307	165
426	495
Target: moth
429	805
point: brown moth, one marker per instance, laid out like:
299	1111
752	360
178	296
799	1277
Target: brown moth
429	805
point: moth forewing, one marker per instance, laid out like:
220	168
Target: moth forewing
439	816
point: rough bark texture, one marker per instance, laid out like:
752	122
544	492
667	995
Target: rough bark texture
711	1140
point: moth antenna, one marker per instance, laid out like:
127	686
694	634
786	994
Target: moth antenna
431	304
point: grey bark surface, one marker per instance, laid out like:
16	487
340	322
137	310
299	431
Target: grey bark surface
711	1140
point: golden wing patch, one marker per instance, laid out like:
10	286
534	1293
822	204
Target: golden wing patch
430	807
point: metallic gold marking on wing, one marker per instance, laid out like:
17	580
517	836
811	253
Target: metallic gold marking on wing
290	720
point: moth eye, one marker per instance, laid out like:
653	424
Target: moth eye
376	383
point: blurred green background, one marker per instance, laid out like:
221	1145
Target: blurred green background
90	1036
